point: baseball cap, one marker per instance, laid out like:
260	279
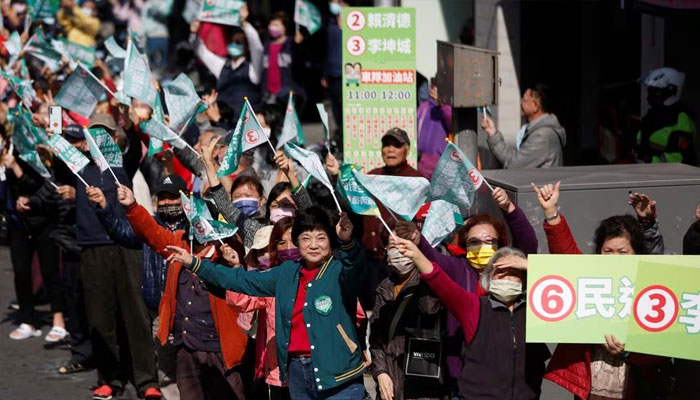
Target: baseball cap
106	121
74	132
171	184
398	134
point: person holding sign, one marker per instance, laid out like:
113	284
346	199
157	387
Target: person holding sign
316	301
498	364
599	372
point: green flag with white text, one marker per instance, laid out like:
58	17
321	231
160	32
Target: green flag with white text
360	201
78	52
310	162
404	195
158	130
443	218
224	12
291	128
80	93
138	81
306	14
204	227
74	159
33	160
182	101
108	148
155	145
247	135
455	179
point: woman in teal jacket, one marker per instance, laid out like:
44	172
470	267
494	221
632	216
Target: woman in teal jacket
316	300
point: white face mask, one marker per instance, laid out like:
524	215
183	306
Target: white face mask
505	290
399	262
87	11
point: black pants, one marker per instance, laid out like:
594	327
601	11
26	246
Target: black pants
22	248
201	375
120	328
76	319
335	89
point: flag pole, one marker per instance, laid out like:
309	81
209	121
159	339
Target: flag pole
81	178
340	210
387	227
392	214
256	120
489	185
80	64
52	184
191	233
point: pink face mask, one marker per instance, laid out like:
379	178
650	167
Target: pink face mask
277	214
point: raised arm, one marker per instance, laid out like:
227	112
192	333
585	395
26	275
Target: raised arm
645	208
559	237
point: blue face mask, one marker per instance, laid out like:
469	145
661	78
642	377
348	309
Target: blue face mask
334	8
234	49
248	206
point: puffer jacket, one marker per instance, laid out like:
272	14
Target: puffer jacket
155	268
541	147
423	316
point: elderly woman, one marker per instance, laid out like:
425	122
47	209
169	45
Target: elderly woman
315	302
407	318
497	363
592	371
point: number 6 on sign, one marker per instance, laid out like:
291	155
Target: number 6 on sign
552	298
655	308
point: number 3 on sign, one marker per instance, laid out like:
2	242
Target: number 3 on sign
355	45
655	308
355	21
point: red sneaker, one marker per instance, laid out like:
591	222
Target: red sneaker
103	392
152	393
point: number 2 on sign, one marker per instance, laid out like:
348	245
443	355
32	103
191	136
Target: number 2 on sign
355	21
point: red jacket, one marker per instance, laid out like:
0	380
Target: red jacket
570	366
232	339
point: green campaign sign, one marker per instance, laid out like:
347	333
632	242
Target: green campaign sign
225	12
650	303
379	80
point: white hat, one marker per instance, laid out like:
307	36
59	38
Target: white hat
664	77
262	238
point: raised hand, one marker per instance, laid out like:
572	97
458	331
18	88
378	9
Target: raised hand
208	150
502	200
613	346
488	125
548	196
230	255
178	254
344	228
332	164
410	250
643	205
511	261
407	230
96	196
66	192
125	196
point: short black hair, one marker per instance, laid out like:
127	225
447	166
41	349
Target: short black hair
242	180
274	192
543	94
620	226
312	219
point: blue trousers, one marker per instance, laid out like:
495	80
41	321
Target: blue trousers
303	387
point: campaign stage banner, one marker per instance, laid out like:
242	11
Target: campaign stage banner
379	80
650	303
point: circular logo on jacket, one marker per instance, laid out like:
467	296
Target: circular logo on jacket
323	305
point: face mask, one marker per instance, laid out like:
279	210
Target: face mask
19	8
277	214
289	255
399	262
334	8
170	212
505	291
234	49
248	206
87	11
479	256
264	262
274	32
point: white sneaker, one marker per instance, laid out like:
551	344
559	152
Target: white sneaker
24	332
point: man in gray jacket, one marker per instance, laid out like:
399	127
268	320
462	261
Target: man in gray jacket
540	143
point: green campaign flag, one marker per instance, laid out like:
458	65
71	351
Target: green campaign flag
158	130
360	201
114	49
138	81
182	101
26	120
109	150
80	93
443	218
13	45
155	145
310	162
74	159
247	135
224	12
648	302
324	120
403	195
205	228
306	14
291	128
22	139
40	9
78	52
455	179
191	9
22	87
43	50
32	158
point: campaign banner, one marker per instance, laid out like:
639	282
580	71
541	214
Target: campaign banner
650	303
379	80
225	12
78	52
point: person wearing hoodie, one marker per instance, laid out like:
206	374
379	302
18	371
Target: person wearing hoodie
540	143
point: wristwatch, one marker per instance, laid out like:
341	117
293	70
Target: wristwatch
556	214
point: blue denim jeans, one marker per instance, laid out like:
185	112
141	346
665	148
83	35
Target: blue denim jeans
303	387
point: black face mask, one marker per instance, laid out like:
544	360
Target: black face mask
170	212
